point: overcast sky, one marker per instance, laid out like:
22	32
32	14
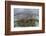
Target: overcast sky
24	10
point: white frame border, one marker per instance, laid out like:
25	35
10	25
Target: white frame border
25	28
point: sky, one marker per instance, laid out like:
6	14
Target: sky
24	10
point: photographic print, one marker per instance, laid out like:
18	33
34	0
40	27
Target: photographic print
24	17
